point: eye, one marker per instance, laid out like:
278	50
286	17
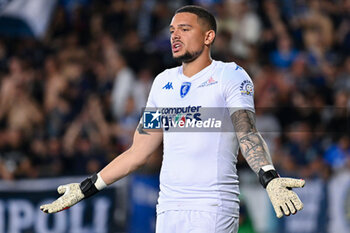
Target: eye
185	29
171	32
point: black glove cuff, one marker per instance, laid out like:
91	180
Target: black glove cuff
88	187
266	177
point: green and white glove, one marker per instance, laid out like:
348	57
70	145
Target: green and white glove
283	199
73	193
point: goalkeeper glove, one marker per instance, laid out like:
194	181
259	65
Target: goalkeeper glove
283	199
73	193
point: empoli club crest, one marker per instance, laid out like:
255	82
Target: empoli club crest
185	88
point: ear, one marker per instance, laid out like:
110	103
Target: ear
209	37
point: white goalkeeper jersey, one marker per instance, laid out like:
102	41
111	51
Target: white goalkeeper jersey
199	168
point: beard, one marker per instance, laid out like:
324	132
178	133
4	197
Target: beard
189	56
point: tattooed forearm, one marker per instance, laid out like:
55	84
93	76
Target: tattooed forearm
253	146
254	150
141	130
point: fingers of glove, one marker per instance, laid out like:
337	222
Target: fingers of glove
52	208
44	208
297	203
285	209
49	208
61	189
293	183
291	207
278	211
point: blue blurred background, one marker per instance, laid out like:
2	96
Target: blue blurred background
75	74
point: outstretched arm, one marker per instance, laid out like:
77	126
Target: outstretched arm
144	144
255	151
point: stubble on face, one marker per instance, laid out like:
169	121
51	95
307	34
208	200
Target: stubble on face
188	56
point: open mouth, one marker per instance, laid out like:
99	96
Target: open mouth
176	47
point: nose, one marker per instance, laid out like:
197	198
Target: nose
175	35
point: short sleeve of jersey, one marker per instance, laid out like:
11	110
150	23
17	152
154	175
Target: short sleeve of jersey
238	88
151	98
151	101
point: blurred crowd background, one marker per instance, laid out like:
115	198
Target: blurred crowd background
70	101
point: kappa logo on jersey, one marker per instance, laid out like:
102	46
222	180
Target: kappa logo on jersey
168	86
185	88
238	68
152	120
209	82
247	88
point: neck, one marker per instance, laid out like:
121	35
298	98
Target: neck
193	67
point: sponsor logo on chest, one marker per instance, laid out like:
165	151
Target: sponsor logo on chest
211	81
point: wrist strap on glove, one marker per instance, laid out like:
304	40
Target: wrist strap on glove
266	174
88	187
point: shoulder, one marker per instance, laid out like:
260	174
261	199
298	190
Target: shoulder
232	73
167	74
165	78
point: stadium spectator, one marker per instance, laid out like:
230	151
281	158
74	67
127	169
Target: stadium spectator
67	76
69	101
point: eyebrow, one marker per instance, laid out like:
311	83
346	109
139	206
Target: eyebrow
181	25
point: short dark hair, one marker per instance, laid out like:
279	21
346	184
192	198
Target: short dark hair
201	13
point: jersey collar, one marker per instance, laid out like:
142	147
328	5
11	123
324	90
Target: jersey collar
197	75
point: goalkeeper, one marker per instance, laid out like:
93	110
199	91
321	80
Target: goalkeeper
198	179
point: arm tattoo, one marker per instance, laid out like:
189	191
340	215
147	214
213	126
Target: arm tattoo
253	146
141	130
